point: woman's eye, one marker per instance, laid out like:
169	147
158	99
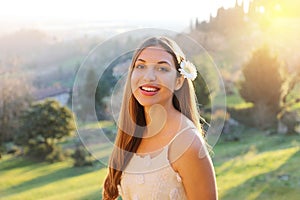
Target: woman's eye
139	66
163	69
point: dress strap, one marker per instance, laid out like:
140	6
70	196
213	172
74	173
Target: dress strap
181	131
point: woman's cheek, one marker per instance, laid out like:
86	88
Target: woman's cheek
134	81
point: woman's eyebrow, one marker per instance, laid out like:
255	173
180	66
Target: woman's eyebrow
164	62
159	62
140	60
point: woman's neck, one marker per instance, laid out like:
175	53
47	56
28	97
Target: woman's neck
157	117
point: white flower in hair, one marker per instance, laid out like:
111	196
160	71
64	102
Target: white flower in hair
188	70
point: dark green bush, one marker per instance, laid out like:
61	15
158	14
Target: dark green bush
56	155
82	157
37	151
12	148
242	115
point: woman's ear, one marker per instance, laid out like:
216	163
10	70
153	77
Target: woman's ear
179	82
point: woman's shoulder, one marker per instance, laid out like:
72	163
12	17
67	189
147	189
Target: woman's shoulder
188	143
190	129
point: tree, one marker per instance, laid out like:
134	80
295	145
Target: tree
104	88
205	84
15	96
202	92
264	77
92	89
88	91
45	123
289	116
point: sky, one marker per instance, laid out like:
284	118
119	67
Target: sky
109	9
47	12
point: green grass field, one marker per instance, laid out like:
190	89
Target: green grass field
256	167
23	179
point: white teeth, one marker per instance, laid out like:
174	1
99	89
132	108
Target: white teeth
149	89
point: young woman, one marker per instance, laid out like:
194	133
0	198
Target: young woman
160	152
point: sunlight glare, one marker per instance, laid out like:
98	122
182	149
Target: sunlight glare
111	9
277	7
261	9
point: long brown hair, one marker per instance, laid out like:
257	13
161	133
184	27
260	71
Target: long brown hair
132	119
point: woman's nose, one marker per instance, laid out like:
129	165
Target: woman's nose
150	75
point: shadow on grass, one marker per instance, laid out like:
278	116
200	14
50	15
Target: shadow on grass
277	142
282	183
15	162
252	141
50	178
96	195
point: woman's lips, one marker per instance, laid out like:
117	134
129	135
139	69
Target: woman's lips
149	90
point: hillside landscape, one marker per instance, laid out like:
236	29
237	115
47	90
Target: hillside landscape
57	130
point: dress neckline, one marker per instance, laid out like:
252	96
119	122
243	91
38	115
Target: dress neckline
164	149
148	155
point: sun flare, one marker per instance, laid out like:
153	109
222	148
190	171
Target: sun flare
261	9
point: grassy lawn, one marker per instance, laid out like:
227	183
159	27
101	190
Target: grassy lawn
256	167
23	179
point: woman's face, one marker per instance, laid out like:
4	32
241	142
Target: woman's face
154	77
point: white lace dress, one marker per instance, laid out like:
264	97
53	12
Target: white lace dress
147	178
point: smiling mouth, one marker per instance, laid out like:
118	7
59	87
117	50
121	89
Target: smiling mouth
149	89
